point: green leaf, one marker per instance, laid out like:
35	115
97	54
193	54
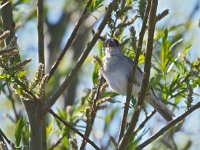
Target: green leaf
66	142
164	47
174	83
165	53
133	143
18	130
128	2
142	4
49	128
110	94
3	76
133	101
79	111
21	74
173	61
62	114
95	74
185	51
2	85
177	99
175	44
109	117
95	4
141	59
158	35
174	28
100	47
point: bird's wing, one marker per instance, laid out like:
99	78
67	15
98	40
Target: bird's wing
139	73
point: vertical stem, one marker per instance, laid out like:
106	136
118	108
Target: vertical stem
41	55
36	124
8	22
152	22
93	113
134	67
40	27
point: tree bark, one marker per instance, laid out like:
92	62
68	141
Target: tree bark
36	121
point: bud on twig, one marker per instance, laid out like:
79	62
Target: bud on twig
4	35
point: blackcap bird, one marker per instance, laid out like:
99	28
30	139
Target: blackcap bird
116	71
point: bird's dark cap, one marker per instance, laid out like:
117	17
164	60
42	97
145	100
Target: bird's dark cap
111	43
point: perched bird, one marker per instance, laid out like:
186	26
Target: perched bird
116	71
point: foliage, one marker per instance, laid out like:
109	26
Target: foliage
18	131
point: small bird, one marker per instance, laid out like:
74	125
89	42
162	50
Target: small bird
116	71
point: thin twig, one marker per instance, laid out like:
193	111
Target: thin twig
10	97
72	128
92	114
5	137
40	28
58	142
144	122
21	64
70	40
9	52
168	126
80	62
132	75
152	22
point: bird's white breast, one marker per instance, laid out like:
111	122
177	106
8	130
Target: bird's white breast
116	74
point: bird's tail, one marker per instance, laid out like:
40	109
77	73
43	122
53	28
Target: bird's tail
160	108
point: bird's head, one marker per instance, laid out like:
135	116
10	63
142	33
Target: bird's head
111	43
112	47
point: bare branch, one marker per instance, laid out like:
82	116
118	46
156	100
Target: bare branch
144	122
70	40
72	128
5	137
168	126
80	62
57	142
145	80
19	65
162	15
40	28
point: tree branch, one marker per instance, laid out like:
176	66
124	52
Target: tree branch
168	126
57	142
132	74
152	22
70	40
72	128
90	45
94	109
40	27
145	121
5	137
35	116
8	22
